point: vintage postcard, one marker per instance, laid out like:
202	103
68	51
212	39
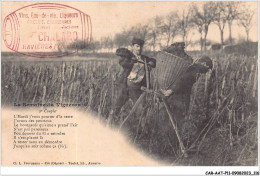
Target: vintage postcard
129	83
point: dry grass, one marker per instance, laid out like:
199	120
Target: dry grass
222	125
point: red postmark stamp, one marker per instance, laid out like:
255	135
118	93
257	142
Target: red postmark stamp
47	30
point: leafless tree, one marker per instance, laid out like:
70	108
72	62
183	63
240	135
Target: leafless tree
221	17
169	27
94	46
184	24
202	18
245	20
233	14
122	39
154	31
140	31
110	43
104	42
107	43
199	25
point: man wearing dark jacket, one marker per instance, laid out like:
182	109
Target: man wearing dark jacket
179	93
132	77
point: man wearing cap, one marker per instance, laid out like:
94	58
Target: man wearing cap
132	77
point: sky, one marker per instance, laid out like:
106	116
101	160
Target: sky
109	18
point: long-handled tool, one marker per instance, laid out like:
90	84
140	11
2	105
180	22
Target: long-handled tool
139	100
174	125
183	150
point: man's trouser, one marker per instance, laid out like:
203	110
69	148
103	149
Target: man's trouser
123	94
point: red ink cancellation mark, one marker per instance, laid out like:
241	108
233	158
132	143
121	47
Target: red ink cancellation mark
47	30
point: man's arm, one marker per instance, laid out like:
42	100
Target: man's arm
183	84
125	57
151	61
174	88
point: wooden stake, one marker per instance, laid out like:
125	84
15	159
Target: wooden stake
139	100
37	81
183	150
62	82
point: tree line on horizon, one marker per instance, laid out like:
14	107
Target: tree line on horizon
161	31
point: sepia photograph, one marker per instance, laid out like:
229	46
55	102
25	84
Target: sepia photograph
129	83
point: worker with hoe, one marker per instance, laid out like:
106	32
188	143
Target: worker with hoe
179	93
134	74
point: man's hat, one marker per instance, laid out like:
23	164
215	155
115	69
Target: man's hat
207	60
137	41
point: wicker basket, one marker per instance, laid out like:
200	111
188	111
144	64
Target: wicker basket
169	68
